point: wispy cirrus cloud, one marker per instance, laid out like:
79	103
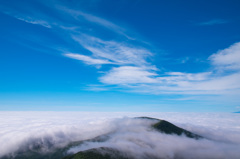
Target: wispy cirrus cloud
28	13
128	75
93	19
87	59
140	79
28	19
118	53
227	59
129	61
213	22
33	21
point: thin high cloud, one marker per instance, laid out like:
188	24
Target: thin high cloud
118	53
130	67
227	59
29	19
86	59
213	22
37	22
133	136
128	75
28	13
97	20
210	82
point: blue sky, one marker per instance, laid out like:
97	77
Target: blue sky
104	55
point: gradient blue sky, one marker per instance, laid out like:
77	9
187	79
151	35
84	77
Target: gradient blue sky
126	55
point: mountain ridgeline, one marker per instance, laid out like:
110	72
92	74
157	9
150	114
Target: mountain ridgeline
159	126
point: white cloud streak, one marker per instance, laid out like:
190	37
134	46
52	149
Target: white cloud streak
130	65
213	22
33	21
140	79
97	20
128	75
115	52
28	14
221	132
227	59
87	59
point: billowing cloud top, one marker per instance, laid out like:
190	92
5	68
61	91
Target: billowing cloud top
56	129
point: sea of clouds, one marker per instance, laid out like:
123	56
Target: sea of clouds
25	130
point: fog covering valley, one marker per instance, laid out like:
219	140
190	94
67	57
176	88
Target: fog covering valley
46	132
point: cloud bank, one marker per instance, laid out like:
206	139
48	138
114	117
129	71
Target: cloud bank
56	129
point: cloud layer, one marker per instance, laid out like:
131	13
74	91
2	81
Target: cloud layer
26	129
